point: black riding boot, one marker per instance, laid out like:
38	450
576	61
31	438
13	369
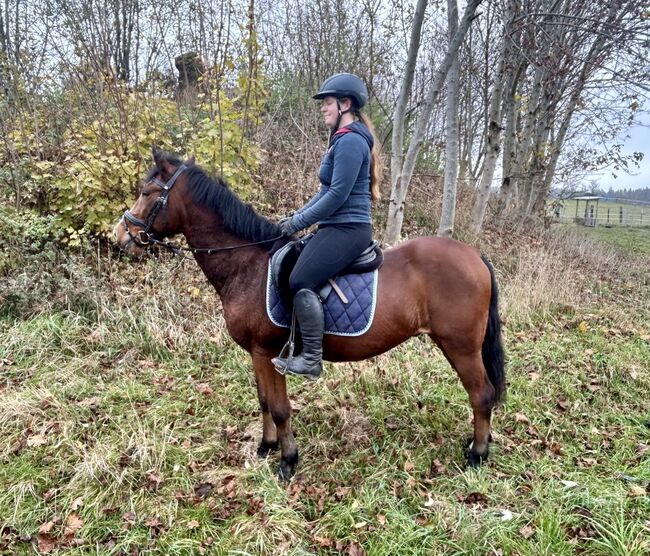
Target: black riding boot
309	313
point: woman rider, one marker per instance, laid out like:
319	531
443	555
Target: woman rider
349	175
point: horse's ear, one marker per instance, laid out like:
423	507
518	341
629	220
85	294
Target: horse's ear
191	161
158	156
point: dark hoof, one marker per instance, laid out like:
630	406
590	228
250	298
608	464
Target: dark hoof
475	460
288	467
265	448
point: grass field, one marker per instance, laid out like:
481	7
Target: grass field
129	421
630	240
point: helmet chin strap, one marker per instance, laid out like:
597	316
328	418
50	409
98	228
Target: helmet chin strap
338	120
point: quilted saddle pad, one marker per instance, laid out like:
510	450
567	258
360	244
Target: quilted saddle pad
341	319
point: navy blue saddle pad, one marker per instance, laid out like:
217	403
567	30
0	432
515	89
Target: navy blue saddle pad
341	319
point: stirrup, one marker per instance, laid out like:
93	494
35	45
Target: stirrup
286	370
282	360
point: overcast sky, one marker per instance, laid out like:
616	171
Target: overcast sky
638	141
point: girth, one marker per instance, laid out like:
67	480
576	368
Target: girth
283	261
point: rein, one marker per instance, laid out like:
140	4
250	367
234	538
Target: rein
144	236
208	250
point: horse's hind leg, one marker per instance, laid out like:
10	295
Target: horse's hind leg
471	371
276	413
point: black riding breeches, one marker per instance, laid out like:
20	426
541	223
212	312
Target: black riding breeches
332	248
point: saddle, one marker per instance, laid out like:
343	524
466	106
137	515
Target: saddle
285	258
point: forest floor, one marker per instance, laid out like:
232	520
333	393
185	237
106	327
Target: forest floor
129	419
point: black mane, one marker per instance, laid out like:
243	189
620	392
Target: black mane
238	217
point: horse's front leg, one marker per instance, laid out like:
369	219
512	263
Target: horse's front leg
276	415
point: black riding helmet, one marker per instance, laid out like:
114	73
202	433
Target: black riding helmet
343	85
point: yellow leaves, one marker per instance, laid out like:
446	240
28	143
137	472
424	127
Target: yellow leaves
103	154
583	327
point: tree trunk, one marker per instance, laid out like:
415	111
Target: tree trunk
396	203
448	211
492	148
398	194
505	74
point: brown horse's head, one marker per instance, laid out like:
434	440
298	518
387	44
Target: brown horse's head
155	214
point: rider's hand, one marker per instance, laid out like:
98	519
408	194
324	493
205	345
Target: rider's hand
287	227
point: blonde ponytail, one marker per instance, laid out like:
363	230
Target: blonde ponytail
375	159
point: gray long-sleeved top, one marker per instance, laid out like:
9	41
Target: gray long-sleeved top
344	196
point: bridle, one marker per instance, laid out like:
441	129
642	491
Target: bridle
145	237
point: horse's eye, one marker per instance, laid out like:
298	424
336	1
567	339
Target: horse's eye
145	194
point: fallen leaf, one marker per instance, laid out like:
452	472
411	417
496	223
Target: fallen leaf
49	494
527	531
475	498
203	489
204	388
532	431
409	466
91	402
36	440
154	478
355	549
341	492
323	541
562	404
437	468
46	527
583	327
77	503
46	544
72	525
521	418
636	490
569	484
381	519
193	524
584	512
360	525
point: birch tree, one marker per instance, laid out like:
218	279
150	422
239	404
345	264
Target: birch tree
503	76
401	177
448	211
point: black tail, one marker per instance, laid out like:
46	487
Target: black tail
492	349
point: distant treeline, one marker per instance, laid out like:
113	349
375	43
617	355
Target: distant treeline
631	194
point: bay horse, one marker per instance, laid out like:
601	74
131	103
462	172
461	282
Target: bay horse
427	285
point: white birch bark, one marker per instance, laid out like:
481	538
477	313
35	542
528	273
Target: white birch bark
448	211
492	149
399	117
398	195
504	75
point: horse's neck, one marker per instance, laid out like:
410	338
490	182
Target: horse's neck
230	272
